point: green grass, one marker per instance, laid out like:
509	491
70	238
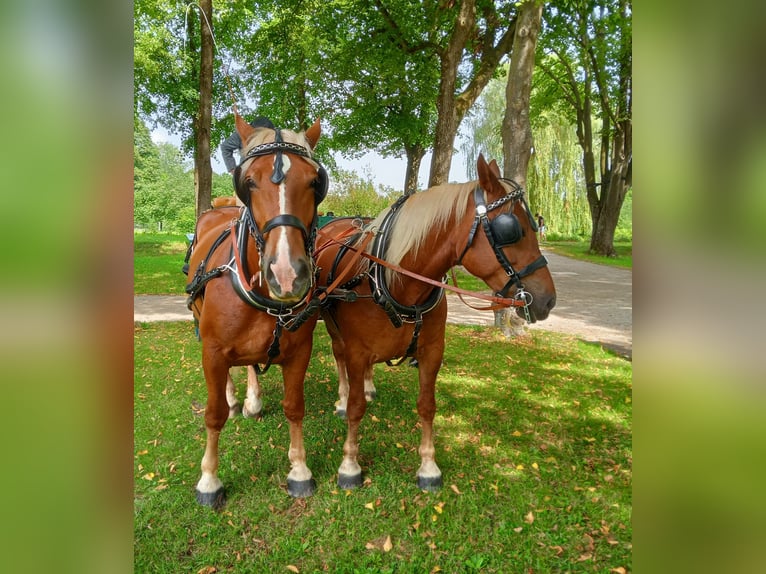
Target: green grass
533	437
157	262
579	250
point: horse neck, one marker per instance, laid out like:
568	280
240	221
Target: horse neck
434	258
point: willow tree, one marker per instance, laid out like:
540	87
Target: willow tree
587	65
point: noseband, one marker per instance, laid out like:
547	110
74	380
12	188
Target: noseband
503	230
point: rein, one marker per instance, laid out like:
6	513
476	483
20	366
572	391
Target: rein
502	302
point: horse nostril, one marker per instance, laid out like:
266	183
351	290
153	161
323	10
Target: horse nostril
551	303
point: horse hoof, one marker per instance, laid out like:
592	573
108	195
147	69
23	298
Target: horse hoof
349	481
340	413
301	488
234	411
215	500
248	415
430	483
370	396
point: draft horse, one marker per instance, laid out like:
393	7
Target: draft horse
375	313
252	286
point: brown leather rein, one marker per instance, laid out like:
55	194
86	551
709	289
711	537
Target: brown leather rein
498	302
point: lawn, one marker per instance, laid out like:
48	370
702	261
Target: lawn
533	436
579	250
157	262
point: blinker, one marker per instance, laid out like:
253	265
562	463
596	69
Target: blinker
506	229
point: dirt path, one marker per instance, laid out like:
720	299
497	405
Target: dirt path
594	302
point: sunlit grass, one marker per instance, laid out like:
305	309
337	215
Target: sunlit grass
157	262
533	436
579	250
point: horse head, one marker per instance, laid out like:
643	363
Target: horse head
502	249
281	187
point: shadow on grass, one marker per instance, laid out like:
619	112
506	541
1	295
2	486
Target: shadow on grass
533	438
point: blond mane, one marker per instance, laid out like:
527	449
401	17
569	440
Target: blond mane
423	213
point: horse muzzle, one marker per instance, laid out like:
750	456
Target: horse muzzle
539	308
288	280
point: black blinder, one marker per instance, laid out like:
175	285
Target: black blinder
321	185
506	229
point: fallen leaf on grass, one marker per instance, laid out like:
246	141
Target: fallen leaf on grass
619	570
292	568
559	550
529	518
207	570
380	544
456	491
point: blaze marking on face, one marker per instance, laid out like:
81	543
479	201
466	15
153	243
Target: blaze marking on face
281	268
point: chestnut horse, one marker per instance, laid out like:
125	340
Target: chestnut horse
377	314
252	285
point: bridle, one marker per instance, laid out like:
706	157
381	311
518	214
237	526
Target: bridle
278	147
505	229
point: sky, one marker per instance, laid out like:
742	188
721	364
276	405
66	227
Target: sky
384	171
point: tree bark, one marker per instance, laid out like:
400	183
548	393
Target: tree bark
451	107
415	155
203	170
447	122
517	130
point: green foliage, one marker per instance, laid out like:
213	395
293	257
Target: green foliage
555	182
533	437
352	194
555	179
164	185
624	231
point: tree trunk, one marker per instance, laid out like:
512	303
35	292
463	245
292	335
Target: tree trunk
451	107
517	131
448	121
613	194
414	158
203	170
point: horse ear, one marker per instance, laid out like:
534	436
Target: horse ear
244	129
312	134
488	177
494	168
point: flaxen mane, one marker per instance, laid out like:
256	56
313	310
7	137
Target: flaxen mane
421	214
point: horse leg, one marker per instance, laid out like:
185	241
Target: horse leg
429	475
210	491
342	402
300	482
231	397
369	388
253	407
350	473
370	393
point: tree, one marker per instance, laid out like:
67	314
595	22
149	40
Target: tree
588	69
517	130
475	45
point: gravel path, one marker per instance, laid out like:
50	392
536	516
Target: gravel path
594	302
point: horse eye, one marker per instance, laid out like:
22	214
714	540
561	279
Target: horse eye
250	183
